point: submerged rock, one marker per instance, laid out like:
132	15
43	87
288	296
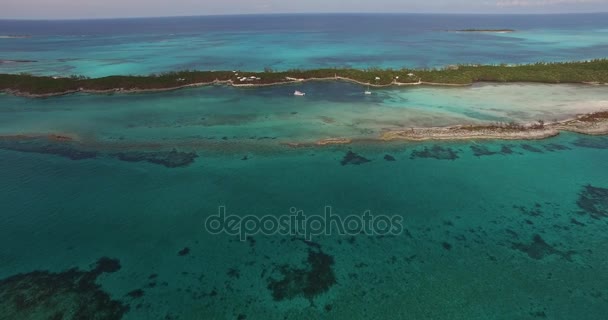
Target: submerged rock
184	252
435	152
594	201
169	159
480	151
388	157
592	142
530	148
43	146
551	147
506	149
136	294
533	211
72	294
314	279
354	159
539	249
106	265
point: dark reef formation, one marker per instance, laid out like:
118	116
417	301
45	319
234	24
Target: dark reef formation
480	151
539	249
184	252
310	281
506	149
43	146
532	212
72	294
353	159
551	147
531	148
169	159
388	157
592	142
67	148
435	152
594	201
136	294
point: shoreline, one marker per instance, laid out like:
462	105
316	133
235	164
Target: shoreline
589	124
592	72
594	124
231	83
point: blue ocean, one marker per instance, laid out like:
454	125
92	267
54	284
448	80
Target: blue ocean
281	42
107	200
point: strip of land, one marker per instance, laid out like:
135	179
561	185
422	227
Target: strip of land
76	147
590	124
486	30
584	72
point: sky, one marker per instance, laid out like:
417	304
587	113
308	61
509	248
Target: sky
81	9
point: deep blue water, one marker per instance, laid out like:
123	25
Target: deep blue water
382	24
143	46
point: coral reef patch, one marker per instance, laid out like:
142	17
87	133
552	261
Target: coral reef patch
531	148
72	294
594	201
506	149
592	142
353	159
388	157
315	278
539	249
184	252
43	146
64	146
480	151
551	147
435	152
169	159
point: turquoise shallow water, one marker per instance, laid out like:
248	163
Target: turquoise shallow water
493	230
216	116
459	258
111	225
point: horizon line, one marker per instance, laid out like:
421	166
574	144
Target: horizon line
307	13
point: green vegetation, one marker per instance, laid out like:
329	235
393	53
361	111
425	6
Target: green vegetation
508	126
596	116
595	71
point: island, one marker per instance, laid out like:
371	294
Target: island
486	30
15	36
16	61
581	72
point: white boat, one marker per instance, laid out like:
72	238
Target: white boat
299	93
367	92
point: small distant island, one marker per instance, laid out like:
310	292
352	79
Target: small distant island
486	30
15	36
583	72
16	61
